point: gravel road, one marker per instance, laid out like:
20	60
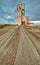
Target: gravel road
8	46
19	46
28	52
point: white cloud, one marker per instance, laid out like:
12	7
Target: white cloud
35	22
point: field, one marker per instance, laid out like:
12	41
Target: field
20	45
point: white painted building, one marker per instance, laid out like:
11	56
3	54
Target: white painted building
17	17
18	13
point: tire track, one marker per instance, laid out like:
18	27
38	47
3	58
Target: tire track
4	30
4	37
34	41
26	53
5	41
32	31
8	54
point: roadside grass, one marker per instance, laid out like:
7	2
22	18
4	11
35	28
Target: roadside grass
5	25
34	27
1	26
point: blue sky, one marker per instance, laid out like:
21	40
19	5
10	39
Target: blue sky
7	7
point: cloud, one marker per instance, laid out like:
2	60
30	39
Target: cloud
7	7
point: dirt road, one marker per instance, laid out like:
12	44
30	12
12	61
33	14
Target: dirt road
8	46
20	46
5	29
28	52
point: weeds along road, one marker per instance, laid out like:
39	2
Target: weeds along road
20	46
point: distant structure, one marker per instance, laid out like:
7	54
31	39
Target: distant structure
19	15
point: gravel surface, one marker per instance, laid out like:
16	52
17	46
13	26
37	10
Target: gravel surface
19	46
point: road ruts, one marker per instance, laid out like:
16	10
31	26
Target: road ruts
33	32
6	36
27	53
4	30
8	46
34	39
